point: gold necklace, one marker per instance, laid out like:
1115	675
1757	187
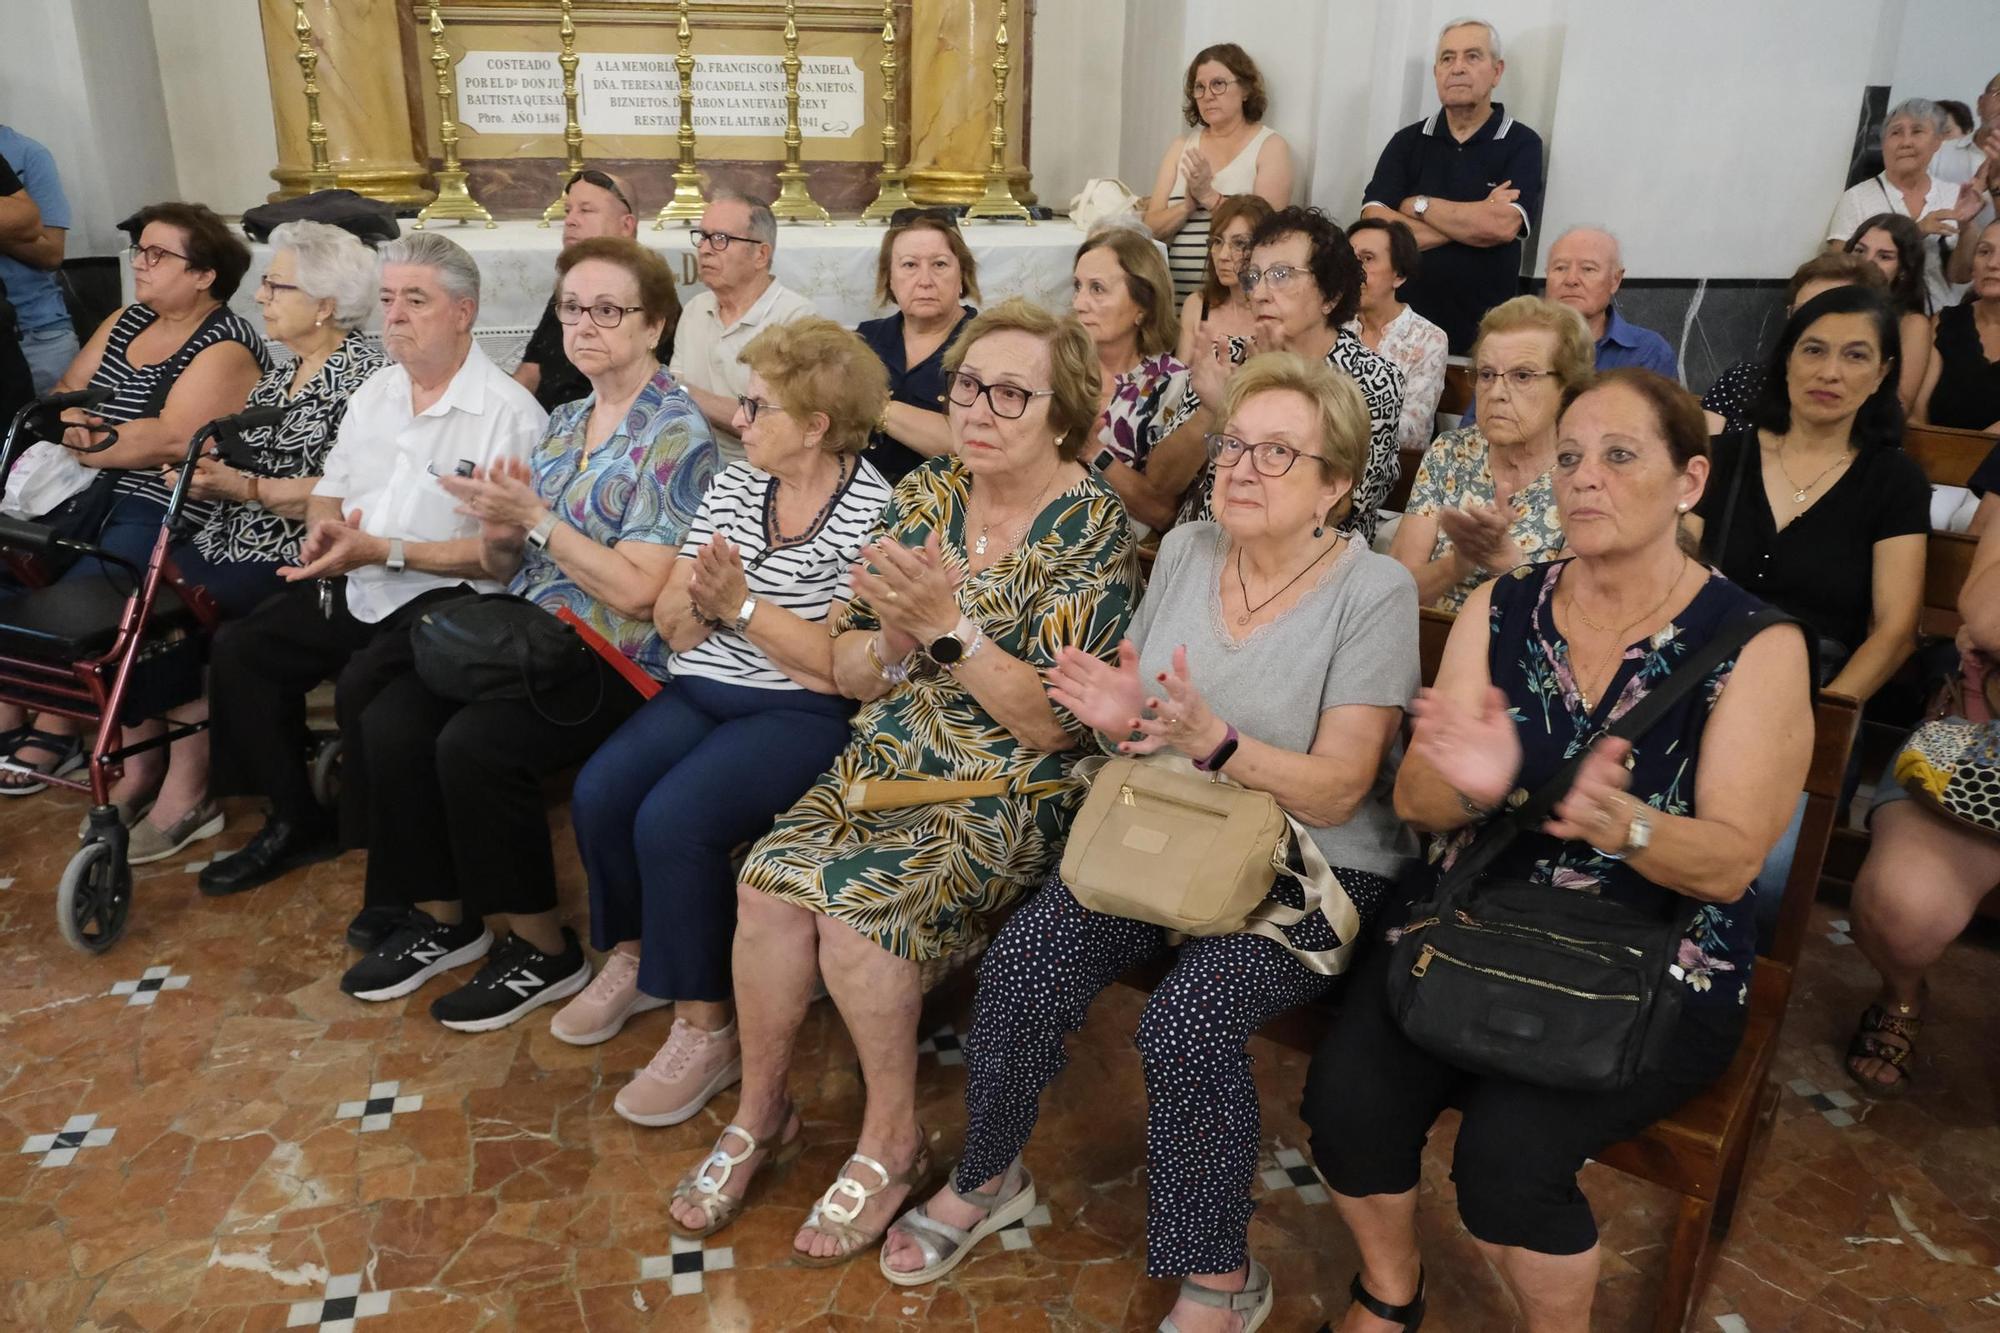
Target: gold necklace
1799	492
1618	636
985	529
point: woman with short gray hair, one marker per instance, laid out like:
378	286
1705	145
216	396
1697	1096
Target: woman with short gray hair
1911	136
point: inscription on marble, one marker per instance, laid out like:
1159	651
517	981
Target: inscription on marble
520	92
510	92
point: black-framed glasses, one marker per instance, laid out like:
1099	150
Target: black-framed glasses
604	314
1214	87
1520	378
592	176
1280	276
146	256
750	407
1270	458
718	240
903	217
264	284
1008	401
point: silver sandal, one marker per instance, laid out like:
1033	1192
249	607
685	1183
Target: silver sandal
1253	1302
943	1245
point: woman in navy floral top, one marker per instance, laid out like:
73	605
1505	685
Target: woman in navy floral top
1539	665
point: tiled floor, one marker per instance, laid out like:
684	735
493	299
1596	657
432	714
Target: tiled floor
201	1132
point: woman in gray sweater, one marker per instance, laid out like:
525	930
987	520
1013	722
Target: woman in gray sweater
1281	652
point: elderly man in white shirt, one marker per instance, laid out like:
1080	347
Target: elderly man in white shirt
384	542
732	248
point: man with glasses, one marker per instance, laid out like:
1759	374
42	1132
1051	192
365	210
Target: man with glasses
1467	181
732	248
29	262
595	203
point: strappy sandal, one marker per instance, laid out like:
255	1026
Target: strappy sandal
834	1216
704	1191
1253	1302
1410	1315
943	1245
1866	1045
67	752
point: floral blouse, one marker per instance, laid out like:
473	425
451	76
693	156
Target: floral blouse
1528	658
1145	405
1419	347
1453	475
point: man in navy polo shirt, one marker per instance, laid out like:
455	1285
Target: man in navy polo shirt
1467	181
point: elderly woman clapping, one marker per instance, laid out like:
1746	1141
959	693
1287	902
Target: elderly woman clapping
1295	688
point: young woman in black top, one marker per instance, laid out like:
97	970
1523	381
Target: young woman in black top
1965	388
1892	243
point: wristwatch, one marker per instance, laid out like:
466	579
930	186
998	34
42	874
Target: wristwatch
743	614
538	536
965	639
1422	206
1638	837
395	561
1222	753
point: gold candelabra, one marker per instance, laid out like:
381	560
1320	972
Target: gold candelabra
453	199
999	202
893	193
321	176
794	202
572	128
687	203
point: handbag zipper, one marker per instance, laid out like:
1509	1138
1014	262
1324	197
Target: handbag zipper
1423	964
1591	947
1125	795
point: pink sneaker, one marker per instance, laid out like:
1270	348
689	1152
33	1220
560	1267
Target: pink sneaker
612	997
691	1068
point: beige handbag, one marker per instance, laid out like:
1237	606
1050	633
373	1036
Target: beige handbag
1159	842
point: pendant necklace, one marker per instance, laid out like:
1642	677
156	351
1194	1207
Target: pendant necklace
1249	610
1618	636
986	529
1799	492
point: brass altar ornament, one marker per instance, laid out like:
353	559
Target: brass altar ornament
894	193
453	199
687	203
321	176
794	202
999	203
572	127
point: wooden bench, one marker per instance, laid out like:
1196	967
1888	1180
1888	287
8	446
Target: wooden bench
1948	457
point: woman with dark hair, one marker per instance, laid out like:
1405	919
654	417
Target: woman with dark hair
1388	254
927	271
1231	151
1728	401
1218	315
1892	243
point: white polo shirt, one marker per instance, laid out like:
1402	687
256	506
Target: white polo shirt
1876	195
705	350
387	460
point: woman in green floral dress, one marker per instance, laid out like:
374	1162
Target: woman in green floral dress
989	561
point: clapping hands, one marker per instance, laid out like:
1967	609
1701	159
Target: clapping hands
502	497
1479	532
719	584
1474	750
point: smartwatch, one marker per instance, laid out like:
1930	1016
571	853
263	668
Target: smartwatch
538	536
394	560
965	639
743	614
1222	753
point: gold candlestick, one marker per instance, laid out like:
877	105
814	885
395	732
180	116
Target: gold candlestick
687	203
999	202
572	128
453	199
321	176
893	193
794	202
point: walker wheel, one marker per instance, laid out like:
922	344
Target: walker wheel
94	898
325	773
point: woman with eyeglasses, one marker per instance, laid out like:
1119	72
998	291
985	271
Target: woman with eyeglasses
956	789
459	861
926	269
749	716
1218	316
1274	650
1230	151
175	359
1484	498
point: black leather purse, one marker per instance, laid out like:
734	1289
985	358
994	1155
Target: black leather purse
1523	980
499	646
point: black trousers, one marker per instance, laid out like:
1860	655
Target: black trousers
260	670
453	796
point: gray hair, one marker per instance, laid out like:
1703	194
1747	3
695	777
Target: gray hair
1492	33
455	269
1617	250
763	226
1918	109
333	265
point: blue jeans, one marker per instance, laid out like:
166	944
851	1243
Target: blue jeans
703	767
131	529
48	352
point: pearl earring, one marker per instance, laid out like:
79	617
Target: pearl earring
1683	508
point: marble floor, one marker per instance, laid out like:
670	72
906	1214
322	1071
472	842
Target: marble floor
202	1132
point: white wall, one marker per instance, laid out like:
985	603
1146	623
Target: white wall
218	99
1076	96
1949	48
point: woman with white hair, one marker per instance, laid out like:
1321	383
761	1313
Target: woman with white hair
316	296
1910	139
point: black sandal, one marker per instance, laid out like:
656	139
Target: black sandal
1410	1316
67	757
1866	1045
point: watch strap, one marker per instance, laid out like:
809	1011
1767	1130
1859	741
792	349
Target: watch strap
538	536
396	560
1222	753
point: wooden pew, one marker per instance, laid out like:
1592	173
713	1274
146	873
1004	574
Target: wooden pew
1947	560
1457	395
1948	457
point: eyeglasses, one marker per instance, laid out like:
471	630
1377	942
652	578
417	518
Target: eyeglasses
1279	275
1270	458
1236	245
1008	401
1214	87
604	314
273	288
718	240
592	176
146	256
752	406
1519	379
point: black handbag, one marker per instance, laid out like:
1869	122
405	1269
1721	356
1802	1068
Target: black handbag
500	646
1521	980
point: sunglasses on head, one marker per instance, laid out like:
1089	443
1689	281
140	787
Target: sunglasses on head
903	217
592	176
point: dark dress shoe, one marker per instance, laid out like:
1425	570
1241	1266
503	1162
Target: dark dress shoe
372	925
279	847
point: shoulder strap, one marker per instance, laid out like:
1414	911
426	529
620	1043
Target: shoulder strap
1748	444
1530	814
195	345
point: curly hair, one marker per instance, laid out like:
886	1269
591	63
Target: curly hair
814	365
1334	268
1238	62
658	298
210	245
1574	354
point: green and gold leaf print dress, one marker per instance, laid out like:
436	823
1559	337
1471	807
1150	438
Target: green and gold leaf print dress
917	880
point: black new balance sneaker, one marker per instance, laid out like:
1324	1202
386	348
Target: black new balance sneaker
517	978
413	953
